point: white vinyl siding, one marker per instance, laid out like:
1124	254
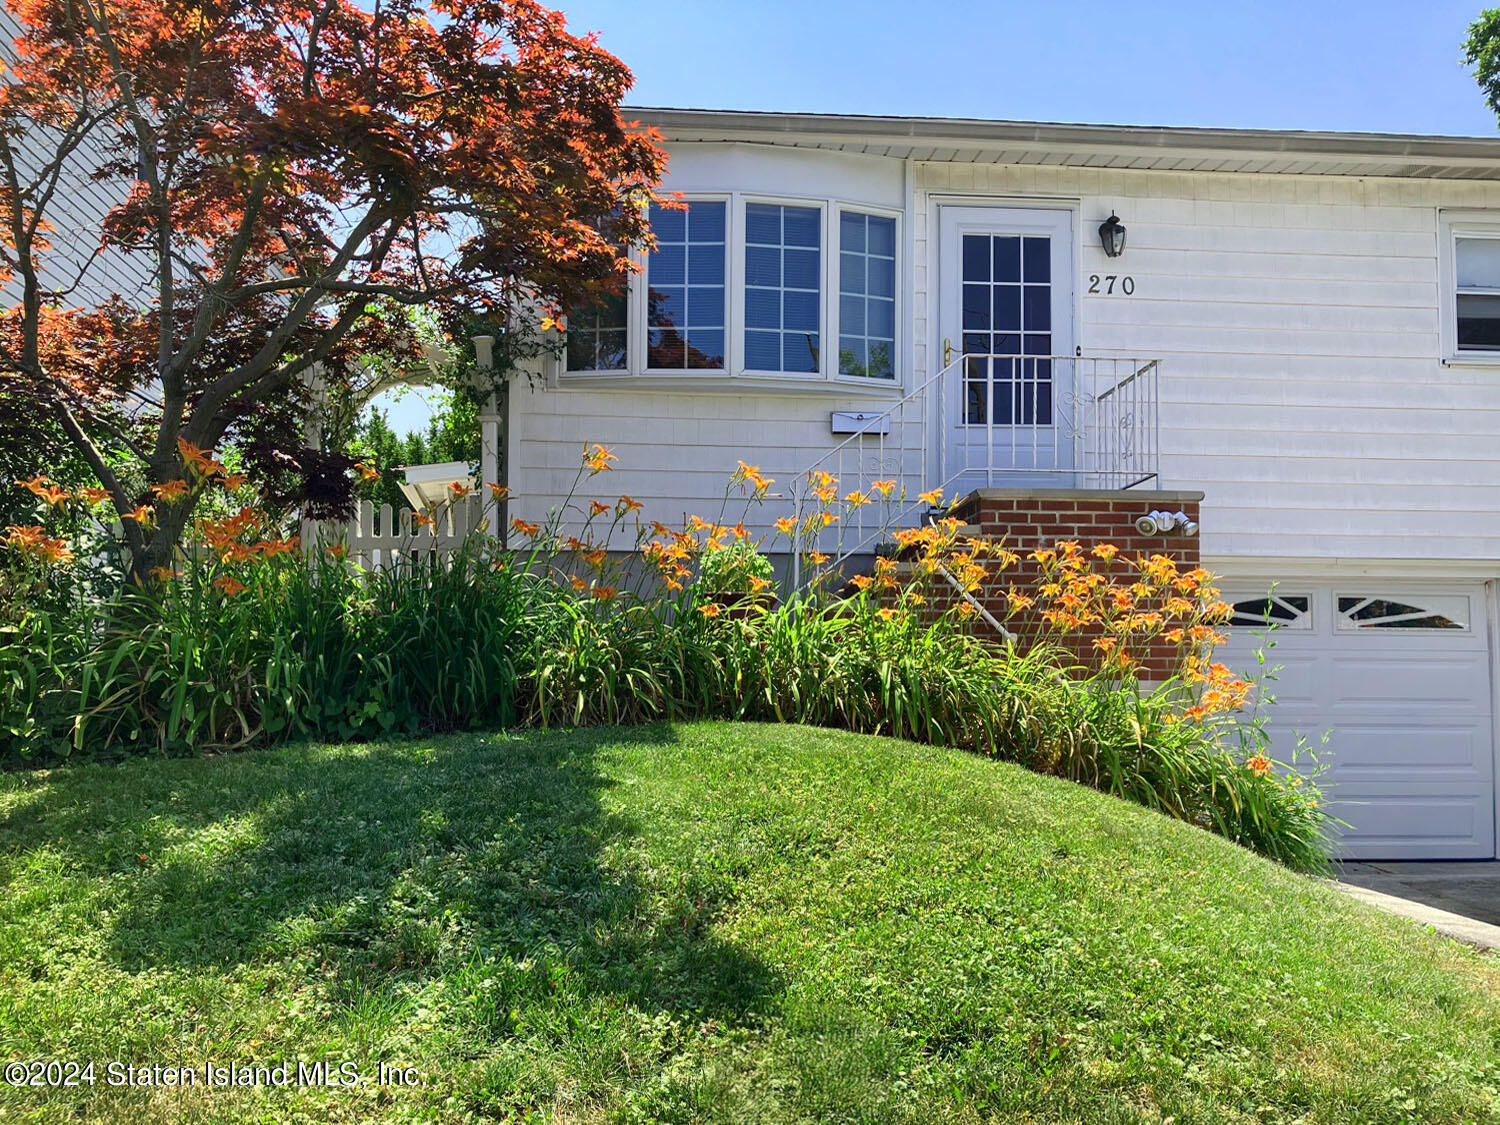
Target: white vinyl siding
74	265
1298	319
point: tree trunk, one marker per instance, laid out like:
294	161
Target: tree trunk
161	547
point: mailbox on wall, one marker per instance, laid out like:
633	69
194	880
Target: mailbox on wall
860	422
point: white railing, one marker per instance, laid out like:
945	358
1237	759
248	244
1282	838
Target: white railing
986	420
383	538
1118	438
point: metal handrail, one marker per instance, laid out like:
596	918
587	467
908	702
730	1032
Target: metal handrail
1112	440
1138	373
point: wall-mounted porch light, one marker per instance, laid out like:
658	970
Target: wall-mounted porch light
1112	236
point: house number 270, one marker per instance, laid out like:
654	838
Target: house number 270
1107	284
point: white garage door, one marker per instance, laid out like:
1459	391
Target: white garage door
1401	677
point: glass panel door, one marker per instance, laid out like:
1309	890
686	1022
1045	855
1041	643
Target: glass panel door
1006	309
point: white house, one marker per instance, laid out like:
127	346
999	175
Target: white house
1303	326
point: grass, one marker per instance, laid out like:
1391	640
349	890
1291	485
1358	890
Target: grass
711	922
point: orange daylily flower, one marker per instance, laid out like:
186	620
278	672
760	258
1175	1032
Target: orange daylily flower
55	551
597	459
498	491
932	497
200	461
752	476
1259	765
24	537
42	486
33	540
142	514
459	489
171	491
603	593
709	609
93	495
627	505
596	508
525	527
231	585
786	525
274	547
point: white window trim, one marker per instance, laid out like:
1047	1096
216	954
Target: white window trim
1452	226
736	376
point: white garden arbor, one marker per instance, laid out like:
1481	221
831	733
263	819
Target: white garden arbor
438	521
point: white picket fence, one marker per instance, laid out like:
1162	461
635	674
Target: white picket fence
383	538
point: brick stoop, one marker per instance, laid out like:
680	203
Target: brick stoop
1025	519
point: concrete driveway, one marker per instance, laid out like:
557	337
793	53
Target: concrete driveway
1469	889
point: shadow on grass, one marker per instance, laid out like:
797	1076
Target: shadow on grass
390	862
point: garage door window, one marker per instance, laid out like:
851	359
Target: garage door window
1278	611
1371	611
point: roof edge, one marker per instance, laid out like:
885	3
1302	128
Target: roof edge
1404	148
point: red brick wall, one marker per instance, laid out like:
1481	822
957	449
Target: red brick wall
1026	519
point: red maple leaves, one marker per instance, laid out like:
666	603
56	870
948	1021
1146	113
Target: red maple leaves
285	170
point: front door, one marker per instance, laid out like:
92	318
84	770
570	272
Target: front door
1006	317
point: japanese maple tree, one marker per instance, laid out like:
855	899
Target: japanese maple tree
287	173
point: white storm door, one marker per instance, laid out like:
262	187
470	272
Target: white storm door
1006	306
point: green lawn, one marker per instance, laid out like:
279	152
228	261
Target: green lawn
711	922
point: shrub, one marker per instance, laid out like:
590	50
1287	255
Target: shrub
736	567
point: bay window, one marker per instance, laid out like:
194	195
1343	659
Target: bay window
761	287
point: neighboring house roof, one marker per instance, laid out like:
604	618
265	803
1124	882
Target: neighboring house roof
76	262
1092	146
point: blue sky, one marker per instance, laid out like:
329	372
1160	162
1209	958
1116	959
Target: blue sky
1376	65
